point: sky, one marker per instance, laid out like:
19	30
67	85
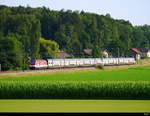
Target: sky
136	11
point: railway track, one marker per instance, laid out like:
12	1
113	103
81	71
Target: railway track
56	69
45	70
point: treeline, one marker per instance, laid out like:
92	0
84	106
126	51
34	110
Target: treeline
34	33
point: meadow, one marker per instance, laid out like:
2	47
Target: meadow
130	83
73	106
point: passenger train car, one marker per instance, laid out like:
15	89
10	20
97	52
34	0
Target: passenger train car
76	62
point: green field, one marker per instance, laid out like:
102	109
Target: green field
121	106
131	83
130	74
100	91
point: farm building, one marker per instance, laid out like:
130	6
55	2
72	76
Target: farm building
87	52
145	53
136	53
63	54
105	53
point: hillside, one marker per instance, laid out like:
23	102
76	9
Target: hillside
35	33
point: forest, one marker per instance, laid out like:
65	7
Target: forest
28	33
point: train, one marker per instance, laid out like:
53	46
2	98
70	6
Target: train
79	62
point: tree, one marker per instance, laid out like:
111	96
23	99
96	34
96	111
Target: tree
74	46
61	39
96	53
10	53
34	39
48	48
73	31
85	40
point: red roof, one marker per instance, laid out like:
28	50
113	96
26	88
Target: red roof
135	50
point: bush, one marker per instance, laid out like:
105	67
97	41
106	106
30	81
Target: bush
100	66
145	57
18	68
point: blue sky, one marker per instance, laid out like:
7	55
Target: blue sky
136	11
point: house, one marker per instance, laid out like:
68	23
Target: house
145	53
105	53
84	52
63	54
87	52
136	53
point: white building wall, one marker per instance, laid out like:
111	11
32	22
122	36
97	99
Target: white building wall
148	54
138	57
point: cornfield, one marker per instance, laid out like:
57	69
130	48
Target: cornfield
74	90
